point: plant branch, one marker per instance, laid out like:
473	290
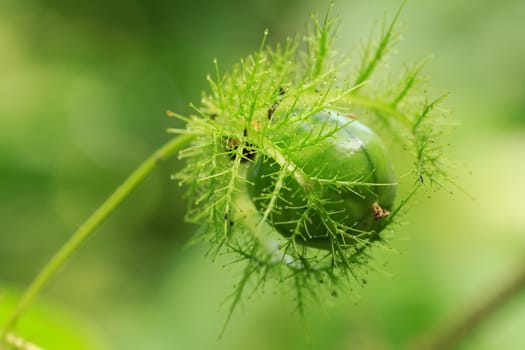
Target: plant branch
18	343
85	230
451	335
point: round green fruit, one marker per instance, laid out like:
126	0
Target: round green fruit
345	152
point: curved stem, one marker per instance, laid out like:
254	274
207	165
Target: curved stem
19	343
453	334
379	106
84	231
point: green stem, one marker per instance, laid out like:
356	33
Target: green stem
379	106
91	223
19	343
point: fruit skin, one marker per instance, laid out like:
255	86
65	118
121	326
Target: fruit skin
352	153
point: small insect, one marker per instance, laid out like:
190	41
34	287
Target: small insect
248	151
272	109
379	212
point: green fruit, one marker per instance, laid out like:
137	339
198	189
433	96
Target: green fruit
351	153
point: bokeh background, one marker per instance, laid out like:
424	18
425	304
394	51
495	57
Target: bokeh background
84	86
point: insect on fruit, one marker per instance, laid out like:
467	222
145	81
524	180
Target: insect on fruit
347	186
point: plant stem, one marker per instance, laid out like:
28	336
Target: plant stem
85	230
453	334
18	343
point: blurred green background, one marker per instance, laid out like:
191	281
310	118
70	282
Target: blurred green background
84	86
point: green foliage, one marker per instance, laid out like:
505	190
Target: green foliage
271	92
